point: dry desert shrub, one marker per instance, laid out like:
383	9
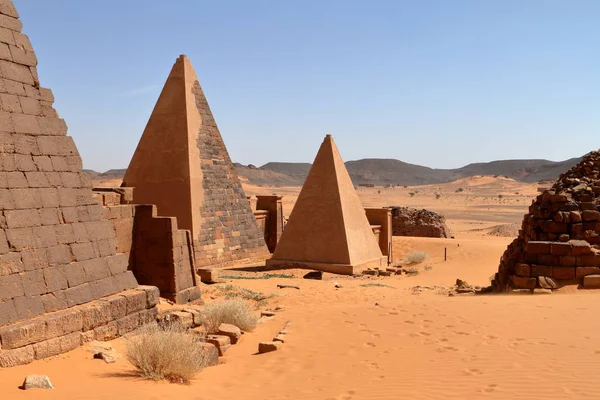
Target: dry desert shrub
415	257
235	312
166	353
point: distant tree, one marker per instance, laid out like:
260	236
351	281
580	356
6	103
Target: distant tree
412	194
459	190
437	196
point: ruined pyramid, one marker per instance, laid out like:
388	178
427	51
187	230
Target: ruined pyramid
61	283
181	165
328	229
558	240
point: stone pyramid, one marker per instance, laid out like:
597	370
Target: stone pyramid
181	165
328	229
58	267
559	238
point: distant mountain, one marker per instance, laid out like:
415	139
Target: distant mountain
391	172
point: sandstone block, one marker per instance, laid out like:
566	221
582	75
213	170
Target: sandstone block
233	332
590	215
23	334
519	282
560	249
523	269
10	287
54	301
221	342
584	271
28	306
36	382
79	295
580	247
534	247
20	356
211	354
590	260
136	300
266	347
95	315
109	331
152	295
8	314
128	324
563	273
207	275
591	281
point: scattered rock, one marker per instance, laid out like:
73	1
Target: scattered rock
233	332
542	291
288	287
108	357
279	338
318	275
266	347
547	283
283	332
385	273
267	314
370	271
36	382
337	285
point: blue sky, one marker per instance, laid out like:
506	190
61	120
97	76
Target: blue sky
433	82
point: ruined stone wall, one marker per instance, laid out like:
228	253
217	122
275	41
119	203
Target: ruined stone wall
228	231
560	234
408	221
158	253
57	255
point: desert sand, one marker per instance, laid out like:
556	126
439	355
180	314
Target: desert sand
385	337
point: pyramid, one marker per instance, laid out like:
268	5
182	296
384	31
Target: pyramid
61	281
560	236
181	165
328	229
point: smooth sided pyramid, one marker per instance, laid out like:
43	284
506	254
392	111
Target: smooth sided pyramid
328	229
181	165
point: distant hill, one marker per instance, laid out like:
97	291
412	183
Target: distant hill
391	172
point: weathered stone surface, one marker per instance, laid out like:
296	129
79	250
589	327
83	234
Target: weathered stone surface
222	342
267	347
233	332
279	338
408	221
520	282
317	275
36	382
108	356
211	354
591	281
547	283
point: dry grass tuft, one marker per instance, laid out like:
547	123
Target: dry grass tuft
165	353
415	257
235	312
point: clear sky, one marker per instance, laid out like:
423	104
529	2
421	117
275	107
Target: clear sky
440	83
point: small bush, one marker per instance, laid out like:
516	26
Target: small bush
412	194
232	292
459	190
165	352
437	196
375	285
235	312
415	257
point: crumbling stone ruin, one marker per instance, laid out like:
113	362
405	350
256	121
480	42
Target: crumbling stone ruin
559	237
328	229
62	281
408	221
182	166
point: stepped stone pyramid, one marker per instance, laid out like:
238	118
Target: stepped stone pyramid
61	283
559	238
328	228
181	165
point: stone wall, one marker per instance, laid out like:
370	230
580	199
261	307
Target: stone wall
559	237
58	257
408	221
158	253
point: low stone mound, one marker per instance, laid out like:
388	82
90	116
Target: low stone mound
408	221
505	230
560	236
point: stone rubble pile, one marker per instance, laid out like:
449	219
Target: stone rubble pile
559	240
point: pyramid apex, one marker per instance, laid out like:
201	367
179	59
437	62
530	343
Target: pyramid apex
328	137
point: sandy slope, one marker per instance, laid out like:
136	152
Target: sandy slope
412	344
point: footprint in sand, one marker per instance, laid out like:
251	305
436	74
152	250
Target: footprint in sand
393	312
443	340
371	344
491	337
446	349
424	333
462	333
408	321
472	372
490	388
